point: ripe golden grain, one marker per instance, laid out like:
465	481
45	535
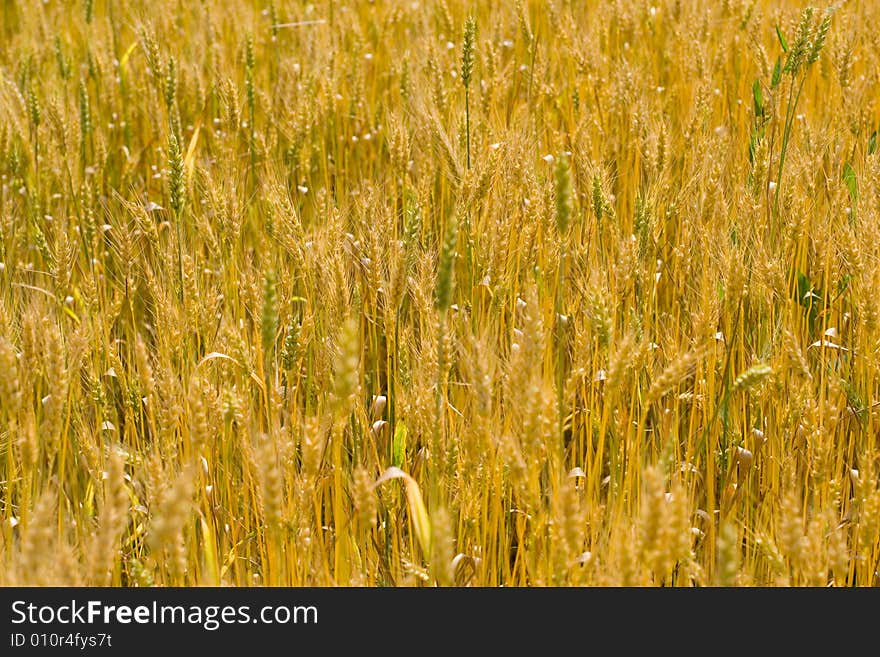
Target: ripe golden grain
244	270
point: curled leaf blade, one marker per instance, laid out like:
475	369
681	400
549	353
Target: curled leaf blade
415	504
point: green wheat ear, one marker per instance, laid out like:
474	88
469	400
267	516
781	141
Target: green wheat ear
177	197
170	83
35	114
467	69
445	273
269	320
467	51
85	114
563	194
800	44
291	346
752	377
819	37
176	178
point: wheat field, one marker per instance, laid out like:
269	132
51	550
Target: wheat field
435	292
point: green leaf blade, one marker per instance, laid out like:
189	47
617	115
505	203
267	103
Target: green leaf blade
782	41
758	99
777	74
852	183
